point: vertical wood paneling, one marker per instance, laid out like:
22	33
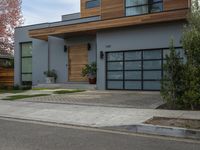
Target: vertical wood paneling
175	4
89	12
112	9
78	58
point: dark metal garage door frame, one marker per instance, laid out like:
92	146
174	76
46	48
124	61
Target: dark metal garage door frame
142	67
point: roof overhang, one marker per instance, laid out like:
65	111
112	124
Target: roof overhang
93	26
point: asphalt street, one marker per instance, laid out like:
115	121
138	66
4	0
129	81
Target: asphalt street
23	135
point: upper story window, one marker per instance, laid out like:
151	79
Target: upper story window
92	3
139	7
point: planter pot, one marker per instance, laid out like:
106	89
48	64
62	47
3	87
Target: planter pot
50	80
92	80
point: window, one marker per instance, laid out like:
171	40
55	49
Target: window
139	7
26	63
92	3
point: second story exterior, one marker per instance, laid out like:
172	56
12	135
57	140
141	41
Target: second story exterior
110	9
104	14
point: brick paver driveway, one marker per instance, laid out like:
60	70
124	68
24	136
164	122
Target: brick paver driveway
145	100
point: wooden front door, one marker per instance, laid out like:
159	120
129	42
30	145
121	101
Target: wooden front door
78	58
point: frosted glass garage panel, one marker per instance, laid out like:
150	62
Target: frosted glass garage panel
166	53
152	64
133	55
133	85
115	56
152	75
115	85
154	54
179	51
115	75
133	75
134	65
115	65
152	85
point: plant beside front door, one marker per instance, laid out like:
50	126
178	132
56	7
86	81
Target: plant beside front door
90	71
51	76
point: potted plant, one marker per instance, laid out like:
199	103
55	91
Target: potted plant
91	72
51	76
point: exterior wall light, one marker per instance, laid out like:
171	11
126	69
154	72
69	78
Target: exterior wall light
89	46
65	49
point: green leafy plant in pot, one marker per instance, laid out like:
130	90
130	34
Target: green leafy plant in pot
51	76
90	71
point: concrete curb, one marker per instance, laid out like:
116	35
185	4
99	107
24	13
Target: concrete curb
136	129
160	130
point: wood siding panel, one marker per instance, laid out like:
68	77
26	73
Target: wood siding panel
112	9
78	58
111	23
6	77
175	4
89	12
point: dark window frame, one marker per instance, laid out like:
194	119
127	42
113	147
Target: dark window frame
149	5
96	3
24	57
142	80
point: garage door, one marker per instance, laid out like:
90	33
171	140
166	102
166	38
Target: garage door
136	70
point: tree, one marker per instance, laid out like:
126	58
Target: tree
172	83
181	84
10	17
191	45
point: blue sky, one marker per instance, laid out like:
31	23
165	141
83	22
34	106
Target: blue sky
40	11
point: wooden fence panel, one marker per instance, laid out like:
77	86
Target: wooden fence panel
6	76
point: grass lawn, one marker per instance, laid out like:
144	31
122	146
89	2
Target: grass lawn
67	91
17	97
11	91
40	89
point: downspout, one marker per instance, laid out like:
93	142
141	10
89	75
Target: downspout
48	59
48	55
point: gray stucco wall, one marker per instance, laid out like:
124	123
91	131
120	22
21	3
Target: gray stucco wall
135	38
58	58
48	54
39	54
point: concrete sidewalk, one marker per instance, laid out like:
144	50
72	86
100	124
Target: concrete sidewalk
93	116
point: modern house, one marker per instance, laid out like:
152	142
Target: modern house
128	39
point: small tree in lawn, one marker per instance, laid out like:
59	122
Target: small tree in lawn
191	45
172	83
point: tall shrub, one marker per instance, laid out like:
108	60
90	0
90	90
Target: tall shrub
172	83
191	45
